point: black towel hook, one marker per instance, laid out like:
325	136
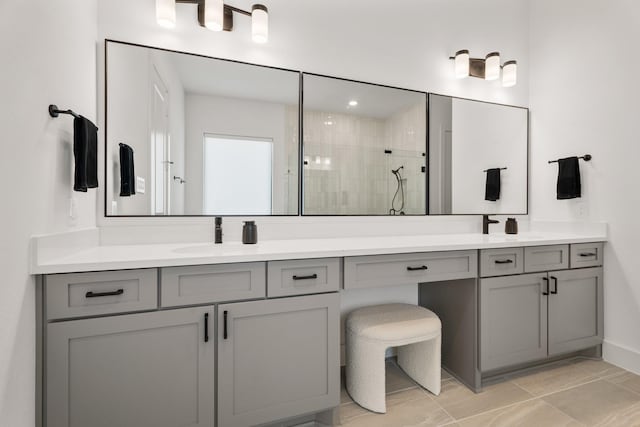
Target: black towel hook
586	158
55	112
502	169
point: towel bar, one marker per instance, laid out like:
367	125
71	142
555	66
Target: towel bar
586	158
55	112
502	169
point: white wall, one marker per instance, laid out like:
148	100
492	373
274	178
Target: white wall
488	136
403	43
128	112
584	99
131	71
48	55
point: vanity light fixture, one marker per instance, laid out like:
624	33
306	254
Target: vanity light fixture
217	16
510	74
488	68
353	103
214	14
166	13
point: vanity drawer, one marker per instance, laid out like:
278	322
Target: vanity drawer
544	258
301	277
501	262
408	269
99	293
204	284
586	255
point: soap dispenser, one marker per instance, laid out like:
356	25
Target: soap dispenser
250	233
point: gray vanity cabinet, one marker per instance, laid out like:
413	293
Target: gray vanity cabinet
575	310
534	316
513	320
277	359
152	369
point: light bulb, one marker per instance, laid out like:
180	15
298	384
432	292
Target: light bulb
462	64
510	74
166	13
259	23
214	14
492	66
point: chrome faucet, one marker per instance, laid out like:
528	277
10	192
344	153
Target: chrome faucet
486	221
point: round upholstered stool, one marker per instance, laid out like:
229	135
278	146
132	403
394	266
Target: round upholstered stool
416	332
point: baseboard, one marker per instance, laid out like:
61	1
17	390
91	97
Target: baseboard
621	356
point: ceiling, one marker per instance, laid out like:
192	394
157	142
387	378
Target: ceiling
207	76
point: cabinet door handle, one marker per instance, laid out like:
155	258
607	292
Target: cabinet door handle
91	294
588	254
422	267
504	261
546	291
312	276
225	335
206	327
555	285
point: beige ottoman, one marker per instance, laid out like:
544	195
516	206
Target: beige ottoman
416	332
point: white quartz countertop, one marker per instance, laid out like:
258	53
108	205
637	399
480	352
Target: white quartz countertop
118	257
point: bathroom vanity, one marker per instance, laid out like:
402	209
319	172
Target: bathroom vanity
226	335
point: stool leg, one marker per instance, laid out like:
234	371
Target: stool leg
365	374
421	361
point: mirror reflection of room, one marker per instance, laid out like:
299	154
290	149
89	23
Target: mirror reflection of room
208	136
478	155
364	148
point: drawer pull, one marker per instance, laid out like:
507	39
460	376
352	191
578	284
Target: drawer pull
546	291
504	261
225	335
91	294
555	282
588	254
312	276
422	267
206	327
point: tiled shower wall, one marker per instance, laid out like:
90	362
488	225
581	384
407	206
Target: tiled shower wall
347	171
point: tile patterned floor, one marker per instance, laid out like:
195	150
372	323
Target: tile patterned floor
577	392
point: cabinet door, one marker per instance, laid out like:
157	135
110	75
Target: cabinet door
277	359
513	320
575	310
144	370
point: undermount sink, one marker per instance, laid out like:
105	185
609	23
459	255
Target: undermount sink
519	236
207	248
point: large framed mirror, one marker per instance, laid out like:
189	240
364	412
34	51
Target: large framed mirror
478	157
193	135
364	148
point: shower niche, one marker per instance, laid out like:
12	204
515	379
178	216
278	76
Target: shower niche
364	148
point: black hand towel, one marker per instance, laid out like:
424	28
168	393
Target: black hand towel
127	172
85	153
569	186
492	187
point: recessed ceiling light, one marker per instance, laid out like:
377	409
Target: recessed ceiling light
353	103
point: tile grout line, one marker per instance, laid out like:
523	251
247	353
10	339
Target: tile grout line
453	420
552	405
533	397
624	387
